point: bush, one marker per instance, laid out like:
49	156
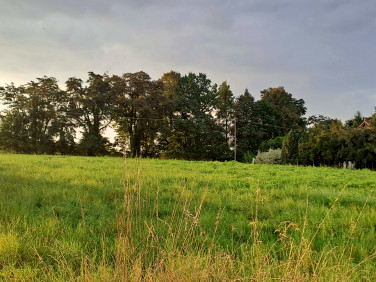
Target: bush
290	147
273	156
248	157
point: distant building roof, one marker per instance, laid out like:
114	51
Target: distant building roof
366	123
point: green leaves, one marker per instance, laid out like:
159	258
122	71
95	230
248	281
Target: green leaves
178	116
141	112
331	143
33	119
196	134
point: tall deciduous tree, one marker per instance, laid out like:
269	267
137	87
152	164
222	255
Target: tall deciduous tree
196	135
225	106
91	108
290	147
140	112
246	132
170	82
356	120
34	119
268	123
290	110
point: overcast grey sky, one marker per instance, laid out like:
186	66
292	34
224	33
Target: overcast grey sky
322	51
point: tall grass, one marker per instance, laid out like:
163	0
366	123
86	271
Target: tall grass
175	247
150	248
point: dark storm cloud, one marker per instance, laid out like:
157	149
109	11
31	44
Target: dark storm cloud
321	51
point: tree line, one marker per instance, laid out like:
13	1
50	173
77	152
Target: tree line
176	116
329	142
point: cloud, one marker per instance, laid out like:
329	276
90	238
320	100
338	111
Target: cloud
319	50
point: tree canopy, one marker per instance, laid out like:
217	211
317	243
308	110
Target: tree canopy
176	116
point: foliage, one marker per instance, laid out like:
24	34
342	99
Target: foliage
290	147
176	116
257	123
272	156
225	106
356	120
140	112
248	157
333	143
170	82
290	110
275	143
35	120
248	135
91	106
196	135
319	119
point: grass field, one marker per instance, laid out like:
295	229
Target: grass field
81	218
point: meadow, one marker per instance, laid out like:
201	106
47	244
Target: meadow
109	219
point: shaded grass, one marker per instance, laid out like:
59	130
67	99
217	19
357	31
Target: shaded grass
78	217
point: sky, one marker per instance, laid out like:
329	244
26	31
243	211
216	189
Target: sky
322	51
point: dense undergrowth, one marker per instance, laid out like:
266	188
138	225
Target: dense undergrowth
81	218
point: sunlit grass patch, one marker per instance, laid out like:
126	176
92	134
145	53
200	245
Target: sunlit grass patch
106	219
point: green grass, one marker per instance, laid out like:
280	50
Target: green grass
69	218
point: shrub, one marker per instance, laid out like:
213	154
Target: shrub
248	157
273	156
290	147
